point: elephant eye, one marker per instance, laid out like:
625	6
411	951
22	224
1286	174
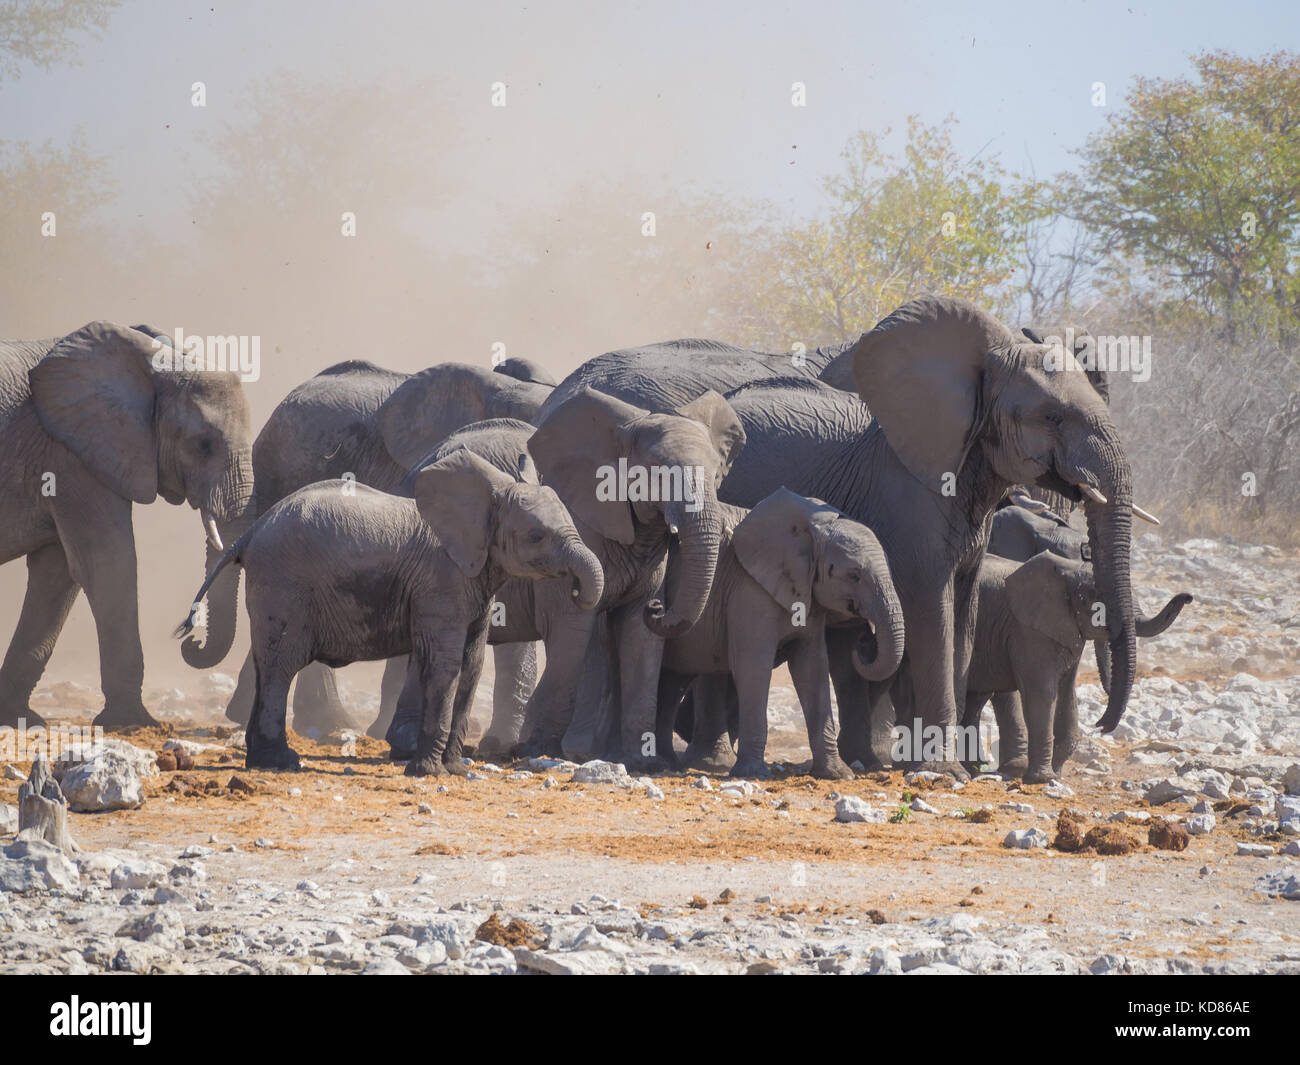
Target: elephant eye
855	577
536	536
205	446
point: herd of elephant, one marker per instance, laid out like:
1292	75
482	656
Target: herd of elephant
860	513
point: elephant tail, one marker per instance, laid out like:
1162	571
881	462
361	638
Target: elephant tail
231	554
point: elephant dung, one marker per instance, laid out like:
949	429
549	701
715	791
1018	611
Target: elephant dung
1168	836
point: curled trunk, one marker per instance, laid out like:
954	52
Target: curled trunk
877	654
700	533
1154	626
577	560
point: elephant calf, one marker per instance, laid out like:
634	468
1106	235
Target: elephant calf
1032	622
339	572
786	569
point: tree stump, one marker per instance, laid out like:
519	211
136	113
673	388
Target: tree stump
43	811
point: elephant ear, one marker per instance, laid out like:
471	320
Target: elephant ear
716	415
429	406
774	543
1039	595
455	495
94	393
920	373
577	450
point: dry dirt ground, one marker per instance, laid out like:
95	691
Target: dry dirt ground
350	866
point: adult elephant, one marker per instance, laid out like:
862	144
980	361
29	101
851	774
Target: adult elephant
963	409
360	423
90	425
664	376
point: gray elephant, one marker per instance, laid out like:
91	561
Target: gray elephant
785	569
963	409
356	420
1033	620
90	425
340	572
525	370
664	376
632	480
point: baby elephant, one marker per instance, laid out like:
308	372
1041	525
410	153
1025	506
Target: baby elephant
1033	620
339	572
786	569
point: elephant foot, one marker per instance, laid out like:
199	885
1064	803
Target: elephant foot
751	769
28	719
717	759
318	721
272	756
1013	767
455	766
403	738
495	748
121	718
832	769
1040	776
646	766
954	769
542	746
427	765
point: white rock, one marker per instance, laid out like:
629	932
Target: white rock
1200	824
8	819
34	865
1282	883
1025	839
601	772
703	783
1291	779
136	873
108	781
1255	850
850	808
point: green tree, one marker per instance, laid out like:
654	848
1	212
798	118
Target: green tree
897	226
1198	180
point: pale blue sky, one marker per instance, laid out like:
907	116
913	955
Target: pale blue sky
673	91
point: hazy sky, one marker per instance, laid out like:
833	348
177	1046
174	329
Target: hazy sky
696	92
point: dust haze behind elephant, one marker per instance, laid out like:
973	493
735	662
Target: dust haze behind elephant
88	427
360	421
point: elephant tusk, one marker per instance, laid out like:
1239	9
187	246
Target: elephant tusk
210	528
1091	493
1145	515
1027	503
672	529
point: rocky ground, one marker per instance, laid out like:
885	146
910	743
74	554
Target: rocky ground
1173	846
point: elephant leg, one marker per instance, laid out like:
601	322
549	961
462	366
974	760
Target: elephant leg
1039	700
390	690
437	658
101	558
853	694
279	652
1066	733
317	708
672	688
971	719
594	728
932	666
550	710
471	669
810	671
1013	738
403	733
516	677
753	677
50	594
240	707
710	744
640	654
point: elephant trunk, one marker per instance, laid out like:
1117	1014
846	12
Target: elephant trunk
229	512
1154	626
700	535
1102	650
1110	528
885	637
577	560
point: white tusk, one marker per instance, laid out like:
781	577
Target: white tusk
1145	515
673	529
210	527
1027	503
1092	493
